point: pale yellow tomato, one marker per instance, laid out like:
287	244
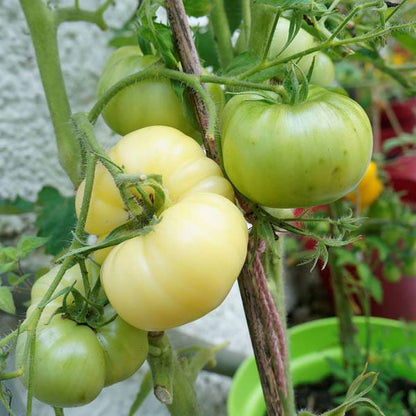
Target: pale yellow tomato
158	150
182	269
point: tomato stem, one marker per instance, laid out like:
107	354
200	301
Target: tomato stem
43	24
350	348
43	29
173	386
222	34
58	411
333	44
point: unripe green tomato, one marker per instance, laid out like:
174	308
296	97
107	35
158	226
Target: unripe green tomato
323	72
391	235
380	209
146	103
392	272
279	213
72	363
293	156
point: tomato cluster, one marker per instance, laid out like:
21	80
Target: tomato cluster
72	362
277	154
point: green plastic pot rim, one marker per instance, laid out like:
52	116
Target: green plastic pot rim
245	396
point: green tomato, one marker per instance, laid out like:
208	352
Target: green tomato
323	71
72	363
302	155
391	235
392	272
146	103
149	102
380	209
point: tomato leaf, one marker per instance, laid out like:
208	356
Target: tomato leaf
406	40
205	44
158	34
28	243
234	11
294	27
298	91
6	300
16	206
56	219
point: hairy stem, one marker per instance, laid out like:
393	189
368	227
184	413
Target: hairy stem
263	20
273	260
324	45
348	341
222	34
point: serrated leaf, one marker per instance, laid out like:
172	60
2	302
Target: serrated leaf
56	219
6	300
122	40
15	279
29	243
16	206
345	257
294	27
382	248
159	35
7	267
197	8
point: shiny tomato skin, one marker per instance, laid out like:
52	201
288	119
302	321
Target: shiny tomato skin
183	268
291	156
146	103
72	362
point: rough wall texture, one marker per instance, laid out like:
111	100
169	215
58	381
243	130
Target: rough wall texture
28	160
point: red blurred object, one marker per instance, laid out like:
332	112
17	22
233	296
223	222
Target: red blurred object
405	114
402	174
399	298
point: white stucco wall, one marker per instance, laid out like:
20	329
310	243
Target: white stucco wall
28	160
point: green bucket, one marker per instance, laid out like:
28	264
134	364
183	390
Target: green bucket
312	345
